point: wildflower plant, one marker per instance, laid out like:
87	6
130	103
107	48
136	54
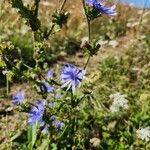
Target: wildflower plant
63	115
101	7
37	112
18	98
71	77
53	115
119	102
144	134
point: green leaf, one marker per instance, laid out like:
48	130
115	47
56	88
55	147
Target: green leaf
2	64
44	145
32	135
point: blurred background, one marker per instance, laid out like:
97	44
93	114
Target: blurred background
124	40
137	3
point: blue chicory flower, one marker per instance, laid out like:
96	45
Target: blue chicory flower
71	77
58	96
60	125
44	127
36	114
54	117
56	123
100	5
50	74
53	104
46	87
18	98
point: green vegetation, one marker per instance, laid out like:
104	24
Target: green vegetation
122	72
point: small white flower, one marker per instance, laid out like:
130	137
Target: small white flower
144	134
95	142
4	72
119	101
113	108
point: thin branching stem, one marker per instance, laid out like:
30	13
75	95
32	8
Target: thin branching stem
51	81
50	31
7	84
89	31
73	125
53	26
62	5
33	40
88	59
13	65
36	3
88	21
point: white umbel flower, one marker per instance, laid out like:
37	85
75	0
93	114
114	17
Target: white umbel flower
144	134
119	101
4	72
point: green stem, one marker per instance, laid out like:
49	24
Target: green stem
63	132
34	49
7	84
51	81
88	59
33	40
50	32
36	3
62	5
72	100
89	30
73	117
80	100
10	62
13	65
27	66
88	21
32	104
53	26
